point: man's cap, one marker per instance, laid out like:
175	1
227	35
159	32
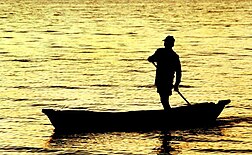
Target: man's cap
169	38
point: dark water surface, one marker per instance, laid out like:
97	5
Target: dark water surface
92	55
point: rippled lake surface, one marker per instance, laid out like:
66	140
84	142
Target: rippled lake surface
92	55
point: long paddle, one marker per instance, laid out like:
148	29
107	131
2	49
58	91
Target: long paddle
188	103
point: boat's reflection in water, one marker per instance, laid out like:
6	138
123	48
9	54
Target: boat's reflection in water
161	142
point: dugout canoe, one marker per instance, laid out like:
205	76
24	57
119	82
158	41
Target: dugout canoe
196	115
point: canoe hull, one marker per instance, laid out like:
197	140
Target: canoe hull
85	121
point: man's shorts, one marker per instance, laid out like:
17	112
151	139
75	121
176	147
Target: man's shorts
165	90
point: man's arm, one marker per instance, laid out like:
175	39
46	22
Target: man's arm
178	75
153	58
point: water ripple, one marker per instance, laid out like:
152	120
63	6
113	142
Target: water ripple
28	149
224	150
4	52
108	34
22	60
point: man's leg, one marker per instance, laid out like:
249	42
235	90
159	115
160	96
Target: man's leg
164	97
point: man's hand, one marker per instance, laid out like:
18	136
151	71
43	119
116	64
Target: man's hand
176	88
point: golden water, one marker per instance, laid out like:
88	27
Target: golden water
92	55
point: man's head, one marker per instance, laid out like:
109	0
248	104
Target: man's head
169	41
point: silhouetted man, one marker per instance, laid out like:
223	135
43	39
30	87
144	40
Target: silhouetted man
167	64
